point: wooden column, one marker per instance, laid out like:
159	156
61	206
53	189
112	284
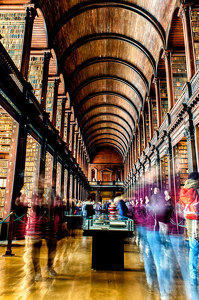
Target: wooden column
73	185
47	57
75	145
189	133
54	173
63	117
149	102
18	180
72	124
169	78
170	166
140	139
158	101
68	189
78	149
158	171
30	16
42	164
185	13
136	147
62	180
144	128
54	112
68	127
197	144
132	154
77	188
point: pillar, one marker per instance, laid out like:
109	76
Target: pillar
47	56
144	128
30	16
54	112
54	173
20	161
68	128
185	13
63	117
75	145
169	78
158	171
62	180
170	166
189	133
149	102
158	101
68	190
42	164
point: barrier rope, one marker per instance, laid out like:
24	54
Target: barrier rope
177	224
3	221
19	218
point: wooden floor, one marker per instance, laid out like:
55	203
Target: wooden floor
76	280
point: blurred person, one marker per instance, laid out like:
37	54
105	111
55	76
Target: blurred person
112	208
88	209
56	230
35	231
122	208
97	208
164	213
189	198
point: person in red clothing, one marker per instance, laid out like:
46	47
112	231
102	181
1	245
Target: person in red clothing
189	199
35	231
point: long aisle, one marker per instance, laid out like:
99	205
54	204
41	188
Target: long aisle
76	280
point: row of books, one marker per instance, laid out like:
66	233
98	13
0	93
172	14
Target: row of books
12	28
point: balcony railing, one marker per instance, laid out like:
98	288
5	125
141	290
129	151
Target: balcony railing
106	183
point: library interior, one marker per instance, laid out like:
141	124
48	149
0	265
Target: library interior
99	149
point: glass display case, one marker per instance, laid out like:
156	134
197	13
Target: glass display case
108	222
108	234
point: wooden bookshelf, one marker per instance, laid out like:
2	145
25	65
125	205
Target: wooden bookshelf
65	183
195	27
49	98
59	111
154	115
58	179
48	176
65	127
147	126
164	97
179	74
164	173
12	26
180	165
8	131
31	174
35	74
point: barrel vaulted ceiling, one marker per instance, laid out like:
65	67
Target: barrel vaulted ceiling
107	52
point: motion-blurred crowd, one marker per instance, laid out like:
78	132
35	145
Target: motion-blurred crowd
167	230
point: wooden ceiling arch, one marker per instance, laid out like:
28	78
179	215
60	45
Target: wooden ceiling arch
115	36
81	119
103	77
89	100
90	5
92	138
104	129
108	51
108	141
115	60
103	145
101	123
110	114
